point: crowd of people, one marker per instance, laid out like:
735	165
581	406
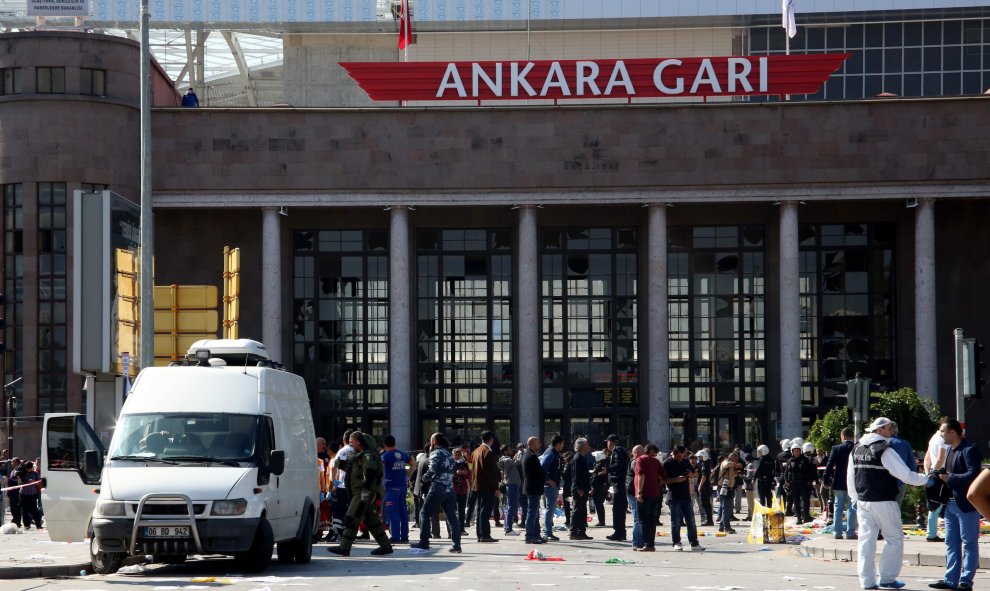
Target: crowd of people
858	485
21	481
519	489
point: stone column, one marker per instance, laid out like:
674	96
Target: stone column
527	311
399	331
789	299
271	283
657	351
925	337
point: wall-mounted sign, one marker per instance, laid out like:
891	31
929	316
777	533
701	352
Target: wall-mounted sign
595	79
58	8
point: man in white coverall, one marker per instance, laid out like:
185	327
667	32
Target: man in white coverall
872	477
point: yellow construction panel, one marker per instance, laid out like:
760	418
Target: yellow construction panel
187	321
125	261
128	286
166	347
127	310
234	261
128	338
232	311
189	297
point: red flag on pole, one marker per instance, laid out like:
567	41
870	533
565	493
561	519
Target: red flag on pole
405	25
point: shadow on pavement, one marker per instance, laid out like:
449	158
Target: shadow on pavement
402	563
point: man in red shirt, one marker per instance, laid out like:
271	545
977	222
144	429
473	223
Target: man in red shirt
649	474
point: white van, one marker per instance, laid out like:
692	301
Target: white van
214	455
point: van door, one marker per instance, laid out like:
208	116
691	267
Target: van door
69	494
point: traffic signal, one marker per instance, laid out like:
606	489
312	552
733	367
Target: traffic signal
973	381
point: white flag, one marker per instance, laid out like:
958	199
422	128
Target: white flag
787	18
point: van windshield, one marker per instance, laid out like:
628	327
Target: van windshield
184	436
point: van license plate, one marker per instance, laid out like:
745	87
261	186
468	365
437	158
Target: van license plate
166	532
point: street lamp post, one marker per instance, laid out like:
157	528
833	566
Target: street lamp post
8	400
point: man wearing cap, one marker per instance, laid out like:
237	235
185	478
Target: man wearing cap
872	476
618	465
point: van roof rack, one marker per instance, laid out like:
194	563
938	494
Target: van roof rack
236	352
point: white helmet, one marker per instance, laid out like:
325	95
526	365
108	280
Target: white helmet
808	448
785	444
797	440
795	445
762	451
702	455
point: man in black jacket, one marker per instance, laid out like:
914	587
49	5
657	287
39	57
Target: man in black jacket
581	488
618	465
799	473
835	478
533	481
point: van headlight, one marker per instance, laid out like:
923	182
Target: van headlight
110	508
229	507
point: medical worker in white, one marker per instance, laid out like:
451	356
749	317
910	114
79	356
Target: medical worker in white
872	477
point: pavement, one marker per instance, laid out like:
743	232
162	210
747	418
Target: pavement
917	551
30	554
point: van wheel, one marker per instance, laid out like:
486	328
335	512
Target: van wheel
304	546
286	551
104	563
299	551
259	556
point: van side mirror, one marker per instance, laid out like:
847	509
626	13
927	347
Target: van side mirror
92	464
277	464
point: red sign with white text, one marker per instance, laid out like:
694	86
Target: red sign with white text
595	79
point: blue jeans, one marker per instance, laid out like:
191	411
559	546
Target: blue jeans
511	504
842	502
962	536
550	494
533	517
637	536
431	504
396	513
679	508
933	516
725	511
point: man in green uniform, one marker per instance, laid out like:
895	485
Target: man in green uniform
364	481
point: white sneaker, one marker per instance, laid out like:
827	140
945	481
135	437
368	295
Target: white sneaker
678	548
698	548
512	532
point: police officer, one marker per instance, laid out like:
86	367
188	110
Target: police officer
397	465
799	473
618	465
782	458
872	476
364	481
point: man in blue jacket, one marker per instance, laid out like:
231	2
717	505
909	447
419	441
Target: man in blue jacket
550	462
835	478
962	521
